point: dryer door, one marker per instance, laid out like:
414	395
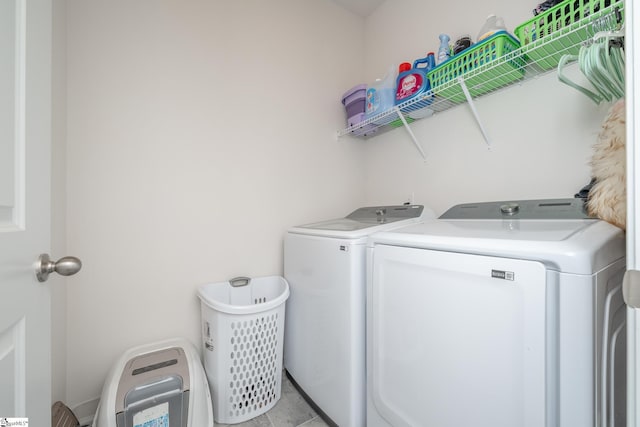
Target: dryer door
455	340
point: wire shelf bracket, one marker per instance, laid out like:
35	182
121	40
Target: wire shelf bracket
472	106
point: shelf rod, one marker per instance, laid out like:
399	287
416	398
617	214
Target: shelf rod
411	134
472	105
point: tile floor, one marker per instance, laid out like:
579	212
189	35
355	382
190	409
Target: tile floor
290	411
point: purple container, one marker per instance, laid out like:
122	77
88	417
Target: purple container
354	101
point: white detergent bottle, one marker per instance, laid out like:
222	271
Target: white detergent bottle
381	95
491	26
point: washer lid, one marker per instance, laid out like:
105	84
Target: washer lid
366	220
574	246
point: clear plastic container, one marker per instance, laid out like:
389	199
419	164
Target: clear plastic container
381	96
492	25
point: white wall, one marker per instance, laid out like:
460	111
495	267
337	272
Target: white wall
541	131
198	132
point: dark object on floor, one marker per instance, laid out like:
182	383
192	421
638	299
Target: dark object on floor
62	416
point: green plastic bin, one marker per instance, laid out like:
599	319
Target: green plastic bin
561	30
479	66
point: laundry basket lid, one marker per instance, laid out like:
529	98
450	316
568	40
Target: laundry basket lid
257	295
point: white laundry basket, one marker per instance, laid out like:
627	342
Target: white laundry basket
242	334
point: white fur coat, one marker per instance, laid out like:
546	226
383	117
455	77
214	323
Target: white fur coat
608	197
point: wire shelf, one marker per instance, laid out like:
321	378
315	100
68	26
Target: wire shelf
528	62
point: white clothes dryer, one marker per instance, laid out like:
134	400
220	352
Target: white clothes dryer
324	344
497	315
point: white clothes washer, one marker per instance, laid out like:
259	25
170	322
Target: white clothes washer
324	344
497	315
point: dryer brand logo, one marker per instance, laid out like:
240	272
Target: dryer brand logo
500	274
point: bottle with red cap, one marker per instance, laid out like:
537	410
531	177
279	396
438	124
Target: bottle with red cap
412	82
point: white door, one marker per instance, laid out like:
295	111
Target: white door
25	133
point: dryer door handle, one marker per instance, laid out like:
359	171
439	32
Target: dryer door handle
631	288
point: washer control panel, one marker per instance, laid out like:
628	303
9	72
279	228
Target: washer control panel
520	209
383	214
510	208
